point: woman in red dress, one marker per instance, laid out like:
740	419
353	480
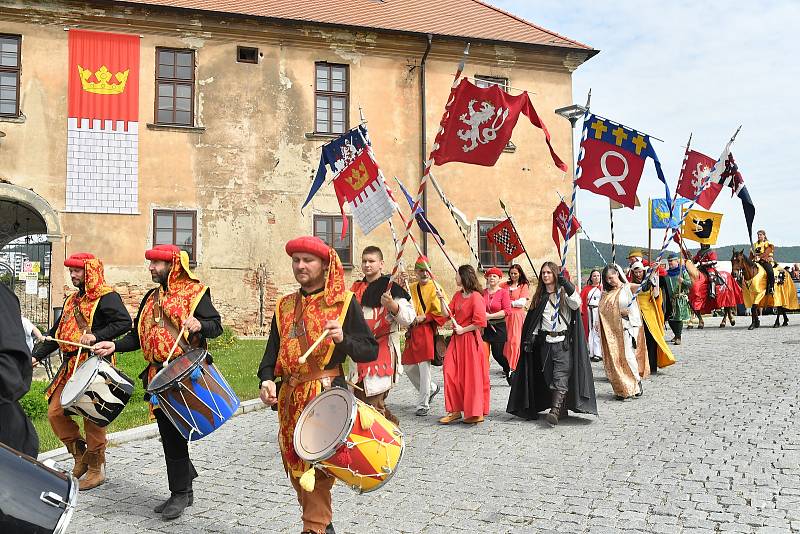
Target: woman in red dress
466	365
518	291
498	307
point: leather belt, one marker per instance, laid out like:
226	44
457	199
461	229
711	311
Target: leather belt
557	334
294	380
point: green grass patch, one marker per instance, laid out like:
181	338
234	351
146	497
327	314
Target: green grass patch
237	360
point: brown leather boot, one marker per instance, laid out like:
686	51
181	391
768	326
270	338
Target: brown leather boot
96	473
556	408
77	450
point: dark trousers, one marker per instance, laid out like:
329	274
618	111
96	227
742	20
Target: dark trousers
770	274
180	470
497	353
676	327
495	335
652	350
556	365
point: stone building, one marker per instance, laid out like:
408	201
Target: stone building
235	100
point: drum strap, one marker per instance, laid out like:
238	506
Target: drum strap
299	324
83	324
166	323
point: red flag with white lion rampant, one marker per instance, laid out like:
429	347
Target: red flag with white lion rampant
479	125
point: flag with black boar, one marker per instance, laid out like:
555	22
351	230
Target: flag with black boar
701	226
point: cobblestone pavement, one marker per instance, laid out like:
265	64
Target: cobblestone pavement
712	446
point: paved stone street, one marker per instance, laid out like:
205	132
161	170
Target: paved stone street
713	446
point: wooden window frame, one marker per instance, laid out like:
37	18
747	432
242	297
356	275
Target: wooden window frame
483	226
330	94
492	80
504	85
174	214
349	235
240	58
14	70
176	82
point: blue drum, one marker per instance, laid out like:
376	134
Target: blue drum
193	394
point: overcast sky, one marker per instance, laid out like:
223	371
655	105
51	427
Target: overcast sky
671	68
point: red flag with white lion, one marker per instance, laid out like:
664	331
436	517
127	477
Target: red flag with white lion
479	125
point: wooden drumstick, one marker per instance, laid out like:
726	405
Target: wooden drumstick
305	356
65	342
354	386
177	340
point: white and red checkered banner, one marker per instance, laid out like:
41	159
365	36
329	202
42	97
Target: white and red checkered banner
103	123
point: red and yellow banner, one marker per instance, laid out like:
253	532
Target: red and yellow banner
103	76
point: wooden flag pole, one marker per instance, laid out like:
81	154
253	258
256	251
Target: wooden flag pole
675	198
514	226
428	165
588	238
450	208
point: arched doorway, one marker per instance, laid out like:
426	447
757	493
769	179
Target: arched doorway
28	226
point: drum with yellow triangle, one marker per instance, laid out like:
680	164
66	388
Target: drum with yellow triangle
348	439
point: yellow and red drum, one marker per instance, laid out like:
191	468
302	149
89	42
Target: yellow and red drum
349	439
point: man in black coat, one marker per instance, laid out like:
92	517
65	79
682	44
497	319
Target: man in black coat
533	381
16	372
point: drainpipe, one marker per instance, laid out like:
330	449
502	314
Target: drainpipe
423	134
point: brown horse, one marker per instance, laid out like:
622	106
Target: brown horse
749	270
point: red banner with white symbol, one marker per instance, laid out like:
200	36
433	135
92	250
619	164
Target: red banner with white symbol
480	122
610	171
560	218
696	167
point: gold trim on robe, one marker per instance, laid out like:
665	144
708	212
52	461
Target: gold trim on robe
653	316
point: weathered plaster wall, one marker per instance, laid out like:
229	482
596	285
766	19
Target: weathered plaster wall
248	171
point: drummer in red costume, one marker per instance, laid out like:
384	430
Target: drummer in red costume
93	313
386	312
179	300
321	306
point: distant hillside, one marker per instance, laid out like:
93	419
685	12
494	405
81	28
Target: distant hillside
589	257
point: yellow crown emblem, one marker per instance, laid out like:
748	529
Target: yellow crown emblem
101	86
359	177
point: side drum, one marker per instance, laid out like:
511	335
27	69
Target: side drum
193	394
349	440
34	499
98	391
